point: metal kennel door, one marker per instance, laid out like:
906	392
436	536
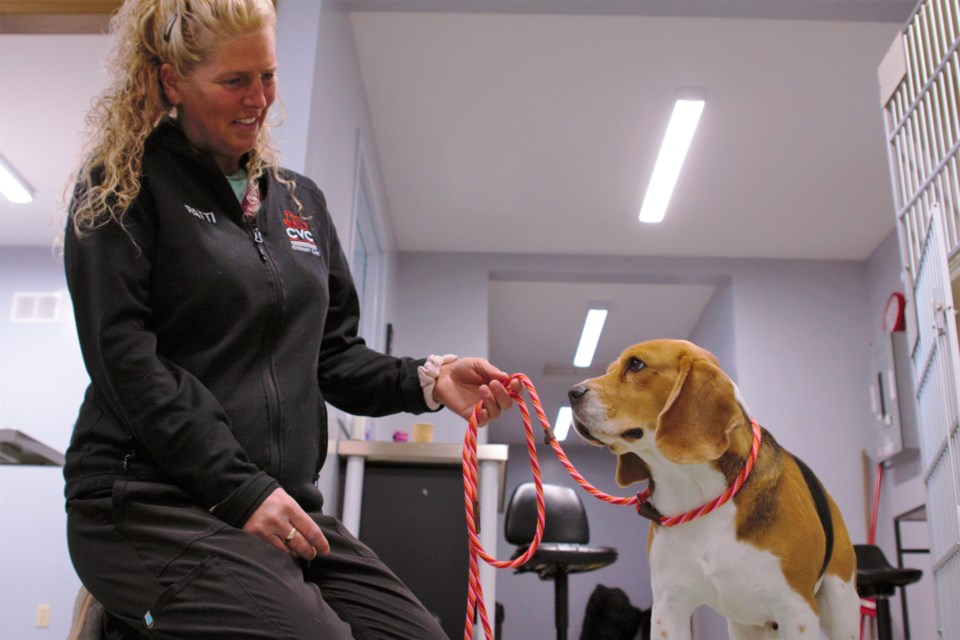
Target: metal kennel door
920	95
935	364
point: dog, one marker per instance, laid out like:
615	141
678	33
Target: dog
775	559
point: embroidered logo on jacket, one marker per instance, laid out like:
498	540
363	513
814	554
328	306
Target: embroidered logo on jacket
206	216
298	231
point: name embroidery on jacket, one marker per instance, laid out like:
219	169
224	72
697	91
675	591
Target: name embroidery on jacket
206	216
298	231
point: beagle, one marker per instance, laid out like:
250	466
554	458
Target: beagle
773	556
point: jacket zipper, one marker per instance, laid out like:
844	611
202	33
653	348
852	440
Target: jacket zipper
258	242
273	395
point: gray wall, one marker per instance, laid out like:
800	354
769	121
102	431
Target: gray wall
796	332
715	329
813	355
41	383
902	485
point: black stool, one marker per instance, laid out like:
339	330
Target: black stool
877	579
563	549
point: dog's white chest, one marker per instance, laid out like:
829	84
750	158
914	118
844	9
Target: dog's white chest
702	563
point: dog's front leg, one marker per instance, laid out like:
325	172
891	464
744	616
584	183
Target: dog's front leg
671	618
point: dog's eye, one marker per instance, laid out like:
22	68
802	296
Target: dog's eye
632	434
635	364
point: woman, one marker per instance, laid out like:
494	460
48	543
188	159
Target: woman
216	314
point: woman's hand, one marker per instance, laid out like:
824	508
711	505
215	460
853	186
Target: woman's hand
278	517
466	381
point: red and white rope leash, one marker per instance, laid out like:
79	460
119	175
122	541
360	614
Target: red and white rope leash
475	591
723	498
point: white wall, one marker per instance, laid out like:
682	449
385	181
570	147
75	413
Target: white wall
42	380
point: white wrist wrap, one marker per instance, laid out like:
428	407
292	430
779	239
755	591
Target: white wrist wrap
428	373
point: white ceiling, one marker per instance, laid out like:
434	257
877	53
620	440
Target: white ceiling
531	126
537	133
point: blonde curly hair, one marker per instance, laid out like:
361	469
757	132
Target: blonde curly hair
147	34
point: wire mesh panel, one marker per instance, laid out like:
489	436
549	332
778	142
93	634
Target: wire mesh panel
920	83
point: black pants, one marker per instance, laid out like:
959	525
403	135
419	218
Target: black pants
166	568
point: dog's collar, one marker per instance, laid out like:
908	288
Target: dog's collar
647	510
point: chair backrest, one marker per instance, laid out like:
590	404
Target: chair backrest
566	519
870	558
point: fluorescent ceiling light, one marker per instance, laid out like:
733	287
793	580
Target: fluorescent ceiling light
562	426
589	337
12	185
683	123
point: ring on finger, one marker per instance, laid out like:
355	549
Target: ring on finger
290	536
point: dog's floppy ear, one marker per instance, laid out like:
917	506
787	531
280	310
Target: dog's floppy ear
695	424
631	469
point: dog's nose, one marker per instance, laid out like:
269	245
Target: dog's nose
577	392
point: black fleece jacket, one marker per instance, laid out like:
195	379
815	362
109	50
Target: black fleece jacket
212	347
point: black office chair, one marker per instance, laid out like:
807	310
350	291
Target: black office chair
563	549
878	579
